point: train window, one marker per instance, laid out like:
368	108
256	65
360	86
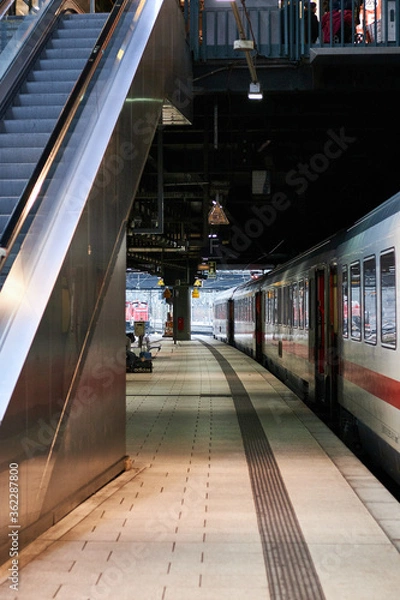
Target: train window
345	292
276	307
306	304
270	306
355	313
370	300
285	305
301	304
289	305
388	299
279	306
271	302
295	293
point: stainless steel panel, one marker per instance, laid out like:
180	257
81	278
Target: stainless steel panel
62	329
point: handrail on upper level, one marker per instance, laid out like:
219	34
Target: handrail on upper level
284	29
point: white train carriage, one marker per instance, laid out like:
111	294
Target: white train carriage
248	315
326	323
369	375
223	316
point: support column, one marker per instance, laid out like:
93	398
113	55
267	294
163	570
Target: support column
182	313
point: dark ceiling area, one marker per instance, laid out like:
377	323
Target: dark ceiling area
289	171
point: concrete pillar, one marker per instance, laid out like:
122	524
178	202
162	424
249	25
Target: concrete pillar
182	313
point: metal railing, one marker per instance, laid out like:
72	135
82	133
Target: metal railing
285	30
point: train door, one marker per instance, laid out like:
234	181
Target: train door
231	323
259	326
325	342
333	351
320	336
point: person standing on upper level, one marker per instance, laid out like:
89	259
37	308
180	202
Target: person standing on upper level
338	24
310	14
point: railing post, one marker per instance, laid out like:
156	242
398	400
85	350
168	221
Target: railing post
194	28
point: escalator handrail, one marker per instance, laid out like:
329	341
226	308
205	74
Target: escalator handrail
37	29
5	6
33	186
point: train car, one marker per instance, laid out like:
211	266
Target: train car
369	376
247	312
136	310
327	326
223	317
299	326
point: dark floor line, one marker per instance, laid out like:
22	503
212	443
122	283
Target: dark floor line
290	569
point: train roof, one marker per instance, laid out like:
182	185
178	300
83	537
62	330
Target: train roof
386	210
226	294
240	289
252	284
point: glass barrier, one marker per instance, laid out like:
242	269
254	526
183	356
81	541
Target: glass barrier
18	20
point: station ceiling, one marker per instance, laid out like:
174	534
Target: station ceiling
288	171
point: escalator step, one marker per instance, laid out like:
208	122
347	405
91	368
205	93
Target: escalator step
23	140
27	126
50	87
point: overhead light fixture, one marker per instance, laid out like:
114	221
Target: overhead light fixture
247	46
217	216
255	92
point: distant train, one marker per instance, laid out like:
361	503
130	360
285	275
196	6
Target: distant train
326	323
136	310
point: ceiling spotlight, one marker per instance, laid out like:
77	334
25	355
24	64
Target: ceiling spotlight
255	92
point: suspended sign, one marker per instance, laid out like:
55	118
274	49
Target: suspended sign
212	269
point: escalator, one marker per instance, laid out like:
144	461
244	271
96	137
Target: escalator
36	107
74	138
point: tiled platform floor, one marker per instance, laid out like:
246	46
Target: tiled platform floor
181	525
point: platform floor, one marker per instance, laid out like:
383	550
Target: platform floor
237	491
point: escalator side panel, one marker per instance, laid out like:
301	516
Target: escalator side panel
65	417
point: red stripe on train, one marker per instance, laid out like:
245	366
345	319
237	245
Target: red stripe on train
378	385
383	387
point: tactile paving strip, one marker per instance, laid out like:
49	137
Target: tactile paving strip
290	569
